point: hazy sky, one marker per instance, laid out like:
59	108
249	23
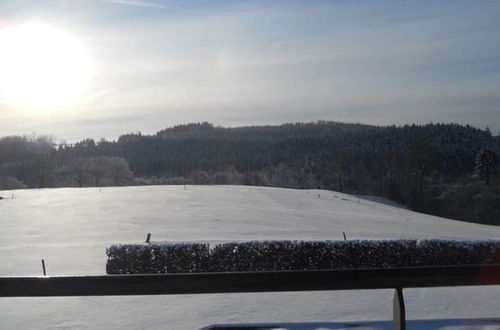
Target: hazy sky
159	63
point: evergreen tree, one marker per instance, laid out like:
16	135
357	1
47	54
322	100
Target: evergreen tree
486	164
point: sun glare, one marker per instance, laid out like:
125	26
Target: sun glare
42	69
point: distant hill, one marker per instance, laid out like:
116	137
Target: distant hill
181	149
431	168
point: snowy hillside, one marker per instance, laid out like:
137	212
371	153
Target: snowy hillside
71	228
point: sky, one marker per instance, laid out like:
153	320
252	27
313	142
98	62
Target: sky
160	63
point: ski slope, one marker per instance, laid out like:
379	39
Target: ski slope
71	227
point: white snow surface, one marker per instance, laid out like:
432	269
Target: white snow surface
71	227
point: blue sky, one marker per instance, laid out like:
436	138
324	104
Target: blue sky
160	63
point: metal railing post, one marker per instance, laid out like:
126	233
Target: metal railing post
399	316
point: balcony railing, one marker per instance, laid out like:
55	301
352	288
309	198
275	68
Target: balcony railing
279	281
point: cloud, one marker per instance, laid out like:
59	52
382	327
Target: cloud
256	64
136	3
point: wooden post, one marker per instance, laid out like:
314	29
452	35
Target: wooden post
399	310
148	238
43	267
345	238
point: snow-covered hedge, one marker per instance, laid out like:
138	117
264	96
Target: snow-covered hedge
157	258
449	252
296	255
310	255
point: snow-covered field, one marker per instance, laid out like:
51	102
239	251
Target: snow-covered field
71	228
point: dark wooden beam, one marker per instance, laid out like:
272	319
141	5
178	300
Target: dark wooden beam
347	279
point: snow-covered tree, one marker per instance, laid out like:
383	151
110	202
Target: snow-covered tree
486	164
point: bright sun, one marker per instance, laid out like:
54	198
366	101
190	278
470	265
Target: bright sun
42	69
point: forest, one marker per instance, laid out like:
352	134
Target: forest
449	170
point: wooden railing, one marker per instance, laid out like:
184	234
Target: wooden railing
275	281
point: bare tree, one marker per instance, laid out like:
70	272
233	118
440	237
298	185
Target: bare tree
119	171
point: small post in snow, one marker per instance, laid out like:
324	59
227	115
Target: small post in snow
319	196
345	238
148	238
43	267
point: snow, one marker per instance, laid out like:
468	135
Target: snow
72	227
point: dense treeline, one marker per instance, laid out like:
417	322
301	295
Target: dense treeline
443	169
33	162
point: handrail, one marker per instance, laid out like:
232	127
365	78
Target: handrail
275	281
231	282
